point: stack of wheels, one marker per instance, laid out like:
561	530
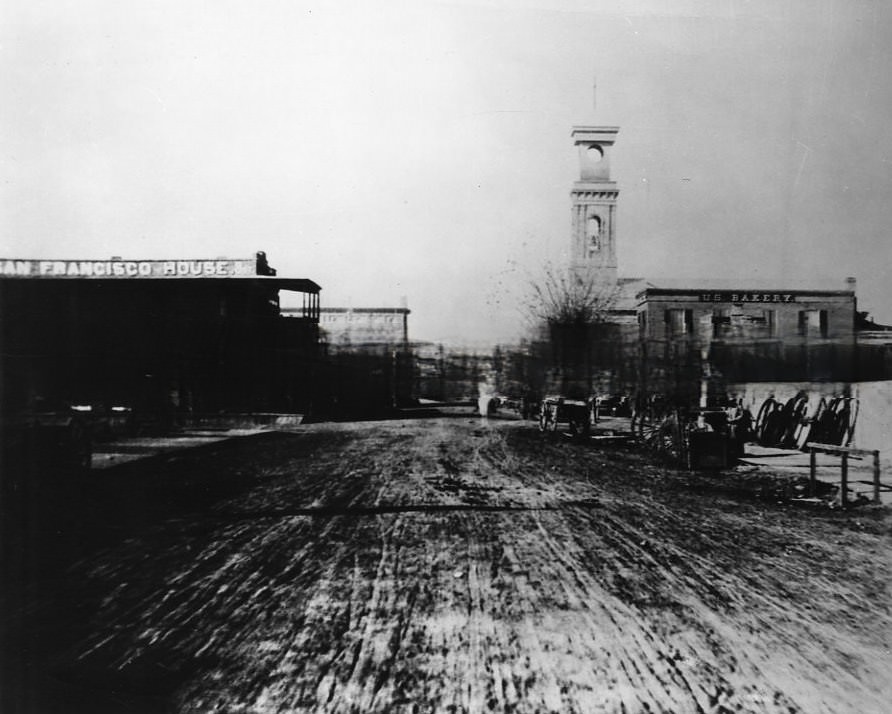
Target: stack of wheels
789	426
834	422
794	420
782	425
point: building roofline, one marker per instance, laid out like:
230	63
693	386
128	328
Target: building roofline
744	291
302	285
117	269
385	310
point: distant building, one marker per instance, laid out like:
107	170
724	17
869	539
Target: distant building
448	373
368	363
345	327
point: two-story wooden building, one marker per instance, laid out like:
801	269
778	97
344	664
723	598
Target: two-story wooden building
165	338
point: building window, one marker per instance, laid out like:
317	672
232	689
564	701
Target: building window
771	323
679	322
813	323
761	323
743	323
721	323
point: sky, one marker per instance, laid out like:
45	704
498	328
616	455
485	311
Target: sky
422	150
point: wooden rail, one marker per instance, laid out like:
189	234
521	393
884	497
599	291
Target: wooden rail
845	452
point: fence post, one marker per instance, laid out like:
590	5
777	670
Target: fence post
876	476
844	487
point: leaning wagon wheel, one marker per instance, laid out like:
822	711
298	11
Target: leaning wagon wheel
663	433
852	420
794	421
845	414
647	416
819	429
643	423
834	422
646	410
762	417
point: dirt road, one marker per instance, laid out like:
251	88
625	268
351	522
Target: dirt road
463	565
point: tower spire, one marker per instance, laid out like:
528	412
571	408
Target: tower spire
595	94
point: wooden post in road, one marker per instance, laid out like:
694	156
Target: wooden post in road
844	480
812	476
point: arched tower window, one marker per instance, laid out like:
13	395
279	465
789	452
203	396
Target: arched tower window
593	234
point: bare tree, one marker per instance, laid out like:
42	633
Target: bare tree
568	308
563	297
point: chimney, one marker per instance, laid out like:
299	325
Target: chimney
851	283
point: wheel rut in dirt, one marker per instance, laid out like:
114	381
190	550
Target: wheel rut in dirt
461	565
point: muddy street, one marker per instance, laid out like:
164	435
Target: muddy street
453	564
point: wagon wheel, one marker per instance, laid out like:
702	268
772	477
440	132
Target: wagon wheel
767	407
770	426
820	423
664	434
645	411
852	420
844	412
793	420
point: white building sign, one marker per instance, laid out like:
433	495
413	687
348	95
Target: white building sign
125	269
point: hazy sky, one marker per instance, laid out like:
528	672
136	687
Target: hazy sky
422	149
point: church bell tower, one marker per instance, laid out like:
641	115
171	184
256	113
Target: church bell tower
593	196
